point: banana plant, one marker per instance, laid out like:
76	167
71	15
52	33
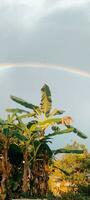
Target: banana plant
37	120
45	117
10	134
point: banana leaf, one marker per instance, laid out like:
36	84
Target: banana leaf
23	103
50	121
69	129
56	112
67	151
16	110
79	133
2	122
62	170
46	102
19	136
60	132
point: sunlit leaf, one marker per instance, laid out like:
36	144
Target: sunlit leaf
46	102
50	122
16	110
62	170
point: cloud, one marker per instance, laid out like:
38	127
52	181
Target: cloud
64	4
29	12
56	32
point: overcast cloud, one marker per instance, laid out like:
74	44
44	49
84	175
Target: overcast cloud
50	31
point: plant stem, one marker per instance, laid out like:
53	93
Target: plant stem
25	174
5	169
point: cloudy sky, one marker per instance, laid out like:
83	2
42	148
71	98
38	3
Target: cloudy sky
52	32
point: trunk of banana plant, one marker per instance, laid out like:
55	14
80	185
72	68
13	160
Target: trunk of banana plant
6	168
39	178
25	185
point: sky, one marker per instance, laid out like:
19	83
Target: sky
47	35
48	31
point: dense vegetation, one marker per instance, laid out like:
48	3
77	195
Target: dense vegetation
77	180
24	146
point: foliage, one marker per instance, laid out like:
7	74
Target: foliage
68	196
24	138
77	167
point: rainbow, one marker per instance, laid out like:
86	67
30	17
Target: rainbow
48	66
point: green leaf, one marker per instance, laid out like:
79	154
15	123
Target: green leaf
24	103
30	124
19	136
79	133
15	186
67	151
51	121
46	149
15	154
46	102
64	171
37	111
2	122
56	112
23	116
6	132
55	128
60	132
43	148
16	110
